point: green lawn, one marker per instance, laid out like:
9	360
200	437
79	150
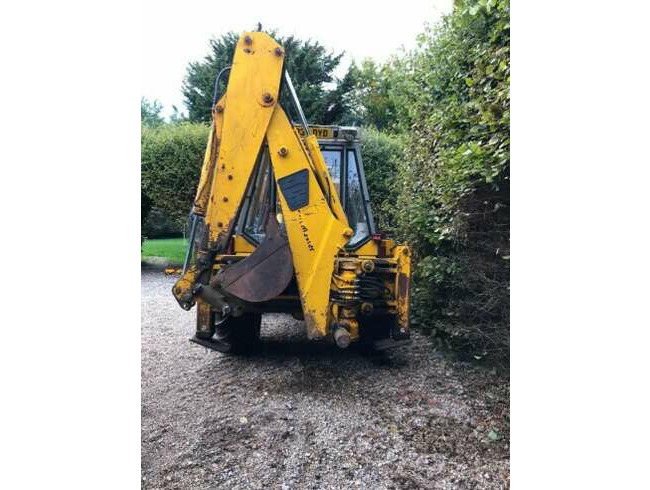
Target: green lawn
172	249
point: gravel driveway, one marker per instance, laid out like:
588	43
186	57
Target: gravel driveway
305	415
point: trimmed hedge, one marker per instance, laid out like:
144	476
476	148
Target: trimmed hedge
453	102
145	208
171	159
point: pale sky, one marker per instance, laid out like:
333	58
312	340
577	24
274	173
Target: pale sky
177	32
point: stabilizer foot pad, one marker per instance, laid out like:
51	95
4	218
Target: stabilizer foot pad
212	344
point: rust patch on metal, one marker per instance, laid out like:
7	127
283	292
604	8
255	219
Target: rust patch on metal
203	319
310	324
262	275
220	244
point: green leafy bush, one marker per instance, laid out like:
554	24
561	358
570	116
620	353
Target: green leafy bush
145	208
382	153
159	225
171	158
453	103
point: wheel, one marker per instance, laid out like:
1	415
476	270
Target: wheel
240	334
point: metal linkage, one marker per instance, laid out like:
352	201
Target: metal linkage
190	242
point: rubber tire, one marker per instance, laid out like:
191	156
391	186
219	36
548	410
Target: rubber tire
242	332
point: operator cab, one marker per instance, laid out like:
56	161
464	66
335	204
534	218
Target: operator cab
340	148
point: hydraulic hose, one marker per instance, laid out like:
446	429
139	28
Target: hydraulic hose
216	84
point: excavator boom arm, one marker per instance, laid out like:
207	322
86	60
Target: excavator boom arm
316	226
315	234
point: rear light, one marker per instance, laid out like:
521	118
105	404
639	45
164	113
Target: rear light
376	236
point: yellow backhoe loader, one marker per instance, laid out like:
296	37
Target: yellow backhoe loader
281	222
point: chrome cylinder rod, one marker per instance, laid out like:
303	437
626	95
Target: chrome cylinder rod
296	102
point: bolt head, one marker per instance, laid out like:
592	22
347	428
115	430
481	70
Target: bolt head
347	233
283	152
219	109
248	40
278	52
267	98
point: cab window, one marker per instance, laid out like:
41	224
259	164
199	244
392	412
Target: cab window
355	205
260	201
333	161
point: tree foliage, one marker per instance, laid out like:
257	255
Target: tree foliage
370	101
309	63
150	113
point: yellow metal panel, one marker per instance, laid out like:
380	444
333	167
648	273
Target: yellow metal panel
368	249
252	94
209	161
182	289
403	285
315	234
242	245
